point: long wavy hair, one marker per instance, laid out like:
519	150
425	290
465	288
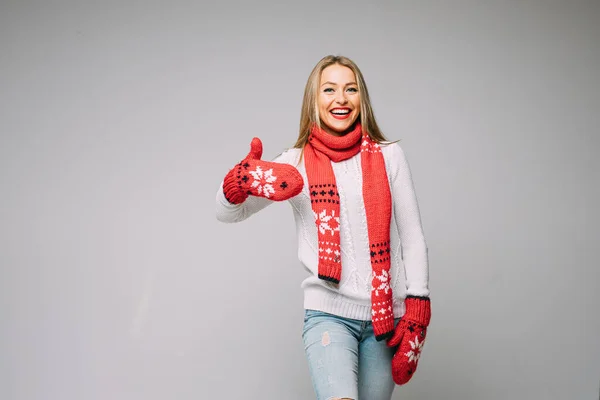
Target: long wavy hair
310	110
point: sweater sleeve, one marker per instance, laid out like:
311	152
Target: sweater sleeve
229	213
408	221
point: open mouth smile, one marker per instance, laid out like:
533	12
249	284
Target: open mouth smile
340	113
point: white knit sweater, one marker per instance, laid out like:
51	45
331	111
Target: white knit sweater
352	297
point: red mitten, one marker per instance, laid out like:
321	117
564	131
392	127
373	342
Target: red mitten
252	176
409	336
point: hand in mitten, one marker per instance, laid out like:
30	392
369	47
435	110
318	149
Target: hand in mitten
409	337
252	176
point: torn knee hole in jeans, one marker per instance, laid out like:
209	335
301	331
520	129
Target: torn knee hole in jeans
325	340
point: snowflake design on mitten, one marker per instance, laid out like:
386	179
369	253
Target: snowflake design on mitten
263	181
415	352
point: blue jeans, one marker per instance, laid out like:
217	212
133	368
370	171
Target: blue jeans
344	358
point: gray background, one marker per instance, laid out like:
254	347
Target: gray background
118	119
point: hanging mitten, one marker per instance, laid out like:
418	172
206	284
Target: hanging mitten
252	176
409	336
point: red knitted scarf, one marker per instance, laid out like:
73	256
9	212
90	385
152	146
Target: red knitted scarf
321	149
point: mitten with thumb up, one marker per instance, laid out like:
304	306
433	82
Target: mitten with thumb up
255	177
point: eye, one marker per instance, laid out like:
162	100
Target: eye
353	90
328	90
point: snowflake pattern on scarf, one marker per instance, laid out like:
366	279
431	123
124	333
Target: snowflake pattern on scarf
324	222
384	280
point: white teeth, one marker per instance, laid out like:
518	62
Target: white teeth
341	112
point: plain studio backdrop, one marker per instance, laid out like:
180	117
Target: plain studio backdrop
118	120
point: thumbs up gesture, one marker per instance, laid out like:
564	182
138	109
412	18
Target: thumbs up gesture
253	176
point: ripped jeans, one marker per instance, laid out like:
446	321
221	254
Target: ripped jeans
345	360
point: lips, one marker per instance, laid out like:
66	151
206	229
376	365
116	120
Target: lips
340	112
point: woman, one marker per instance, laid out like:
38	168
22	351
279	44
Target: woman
359	235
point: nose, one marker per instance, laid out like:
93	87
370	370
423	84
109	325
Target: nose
340	97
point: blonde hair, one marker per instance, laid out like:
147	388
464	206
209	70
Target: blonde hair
310	111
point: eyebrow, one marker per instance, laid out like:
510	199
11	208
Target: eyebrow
333	83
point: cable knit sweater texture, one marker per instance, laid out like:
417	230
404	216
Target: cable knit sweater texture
352	297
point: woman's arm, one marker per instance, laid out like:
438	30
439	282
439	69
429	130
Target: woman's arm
229	212
408	221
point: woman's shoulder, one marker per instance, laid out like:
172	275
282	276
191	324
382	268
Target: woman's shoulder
289	155
394	157
392	149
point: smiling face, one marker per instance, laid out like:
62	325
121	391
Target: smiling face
338	99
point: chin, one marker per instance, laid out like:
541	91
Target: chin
340	129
